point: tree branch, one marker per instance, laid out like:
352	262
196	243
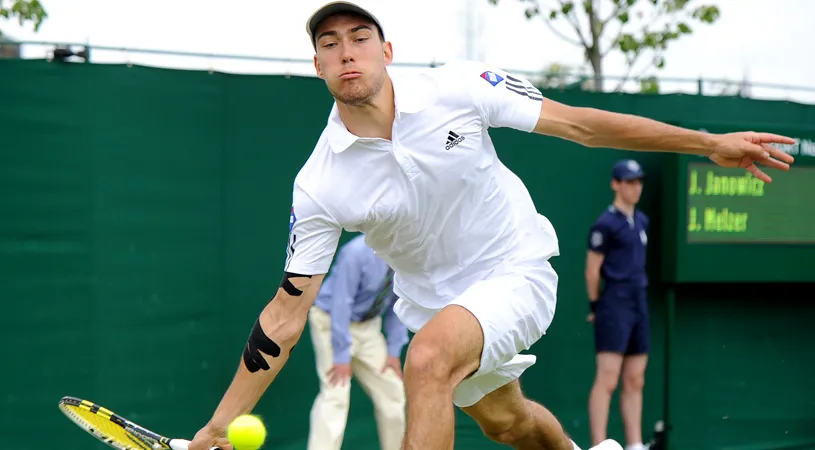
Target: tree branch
610	47
562	36
551	27
572	19
646	28
618	10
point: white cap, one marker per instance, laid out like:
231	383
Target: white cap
329	9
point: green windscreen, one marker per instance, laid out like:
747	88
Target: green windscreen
144	215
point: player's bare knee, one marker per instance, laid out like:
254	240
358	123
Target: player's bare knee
426	362
505	415
509	429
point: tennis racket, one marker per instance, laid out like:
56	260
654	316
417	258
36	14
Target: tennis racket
115	430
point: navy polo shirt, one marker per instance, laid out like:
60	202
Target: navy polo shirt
623	240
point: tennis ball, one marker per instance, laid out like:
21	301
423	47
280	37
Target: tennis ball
246	432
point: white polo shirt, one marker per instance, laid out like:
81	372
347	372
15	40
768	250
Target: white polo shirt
435	202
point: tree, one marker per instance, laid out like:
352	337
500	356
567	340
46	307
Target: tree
639	29
23	11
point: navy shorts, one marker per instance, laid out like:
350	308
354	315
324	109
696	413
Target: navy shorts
621	322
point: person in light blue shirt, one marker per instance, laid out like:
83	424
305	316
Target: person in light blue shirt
346	322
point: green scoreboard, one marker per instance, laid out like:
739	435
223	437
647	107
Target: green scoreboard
724	225
731	206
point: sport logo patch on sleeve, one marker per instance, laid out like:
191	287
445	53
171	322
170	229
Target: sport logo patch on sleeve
292	219
596	239
492	77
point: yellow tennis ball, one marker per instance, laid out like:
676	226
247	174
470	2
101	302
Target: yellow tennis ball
246	432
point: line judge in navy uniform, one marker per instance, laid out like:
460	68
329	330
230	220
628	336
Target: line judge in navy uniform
619	309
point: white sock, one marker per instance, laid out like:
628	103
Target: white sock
575	446
637	446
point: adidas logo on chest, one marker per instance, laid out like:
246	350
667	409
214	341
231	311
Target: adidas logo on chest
453	139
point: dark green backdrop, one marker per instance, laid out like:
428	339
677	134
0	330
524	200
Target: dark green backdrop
143	221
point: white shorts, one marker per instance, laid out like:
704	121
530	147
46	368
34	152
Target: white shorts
514	309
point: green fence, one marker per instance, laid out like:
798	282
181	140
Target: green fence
143	223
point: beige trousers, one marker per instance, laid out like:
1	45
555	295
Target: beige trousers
369	353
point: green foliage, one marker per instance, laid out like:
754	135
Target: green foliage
23	11
649	85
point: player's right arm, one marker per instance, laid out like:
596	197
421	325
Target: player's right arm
313	240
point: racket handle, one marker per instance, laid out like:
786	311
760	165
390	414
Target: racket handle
181	444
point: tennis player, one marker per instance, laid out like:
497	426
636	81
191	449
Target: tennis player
408	161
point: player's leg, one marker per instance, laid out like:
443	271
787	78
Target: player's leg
440	355
385	388
472	347
633	382
329	413
492	396
507	417
612	332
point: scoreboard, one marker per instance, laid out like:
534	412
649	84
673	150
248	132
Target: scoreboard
731	206
724	225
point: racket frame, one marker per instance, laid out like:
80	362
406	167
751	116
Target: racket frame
143	438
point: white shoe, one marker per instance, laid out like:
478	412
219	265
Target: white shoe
608	444
639	446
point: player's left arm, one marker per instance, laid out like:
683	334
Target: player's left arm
507	100
592	127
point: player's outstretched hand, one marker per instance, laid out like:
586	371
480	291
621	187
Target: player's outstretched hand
747	149
206	438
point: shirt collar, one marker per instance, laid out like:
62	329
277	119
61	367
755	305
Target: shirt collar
338	136
408	100
411	95
614	210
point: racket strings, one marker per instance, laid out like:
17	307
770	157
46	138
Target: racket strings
99	423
